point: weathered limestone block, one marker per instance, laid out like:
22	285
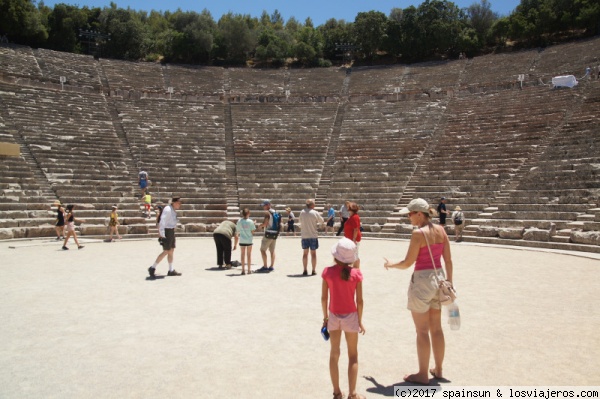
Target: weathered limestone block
39	207
93	230
195	228
7	223
536	235
375	228
512	234
6	234
504	215
585	237
404	228
137	229
19	232
132	221
487	231
41	231
15	214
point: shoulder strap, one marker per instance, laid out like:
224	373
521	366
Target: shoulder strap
430	253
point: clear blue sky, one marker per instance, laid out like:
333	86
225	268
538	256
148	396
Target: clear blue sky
319	10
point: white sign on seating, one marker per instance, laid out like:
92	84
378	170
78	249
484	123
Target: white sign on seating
564	81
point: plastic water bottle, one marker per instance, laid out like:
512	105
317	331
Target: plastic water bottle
454	316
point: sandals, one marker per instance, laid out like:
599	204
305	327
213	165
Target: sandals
338	395
356	396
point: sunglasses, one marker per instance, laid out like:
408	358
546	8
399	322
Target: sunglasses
412	213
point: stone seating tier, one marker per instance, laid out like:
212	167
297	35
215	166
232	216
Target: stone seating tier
19	60
78	70
195	80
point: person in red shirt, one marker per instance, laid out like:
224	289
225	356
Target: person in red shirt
342	303
352	229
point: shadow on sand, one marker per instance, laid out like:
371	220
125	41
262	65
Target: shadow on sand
383	390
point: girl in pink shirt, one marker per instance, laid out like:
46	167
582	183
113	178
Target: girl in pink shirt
342	303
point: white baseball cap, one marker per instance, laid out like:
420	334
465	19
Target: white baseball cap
344	251
416	205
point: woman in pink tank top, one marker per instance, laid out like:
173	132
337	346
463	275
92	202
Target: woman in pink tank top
423	290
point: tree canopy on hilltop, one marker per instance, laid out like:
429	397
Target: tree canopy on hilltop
436	29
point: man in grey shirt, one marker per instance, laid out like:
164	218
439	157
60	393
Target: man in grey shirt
309	224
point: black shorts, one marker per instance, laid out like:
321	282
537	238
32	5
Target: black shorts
330	223
168	242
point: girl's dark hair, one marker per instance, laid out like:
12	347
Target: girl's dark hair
245	212
70	207
159	214
345	275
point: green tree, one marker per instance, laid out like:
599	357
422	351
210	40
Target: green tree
64	23
193	39
589	15
370	32
237	38
126	33
481	18
21	21
273	46
334	32
392	43
308	46
440	24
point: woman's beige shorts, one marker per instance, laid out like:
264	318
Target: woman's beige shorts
423	291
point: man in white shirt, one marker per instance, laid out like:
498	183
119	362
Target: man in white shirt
344	215
166	232
309	224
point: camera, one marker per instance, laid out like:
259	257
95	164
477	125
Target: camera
160	240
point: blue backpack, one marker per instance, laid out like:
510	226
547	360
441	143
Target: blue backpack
273	231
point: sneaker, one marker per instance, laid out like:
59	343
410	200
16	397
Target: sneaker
314	273
243	273
173	273
271	269
79	247
57	238
151	271
227	267
263	269
305	273
65	248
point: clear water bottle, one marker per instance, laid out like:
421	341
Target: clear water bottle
454	316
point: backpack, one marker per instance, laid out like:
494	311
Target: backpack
273	231
458	220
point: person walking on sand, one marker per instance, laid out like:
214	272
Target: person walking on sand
291	221
59	226
423	301
166	233
245	227
310	221
344	215
269	240
458	218
352	229
330	219
71	219
113	224
342	305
